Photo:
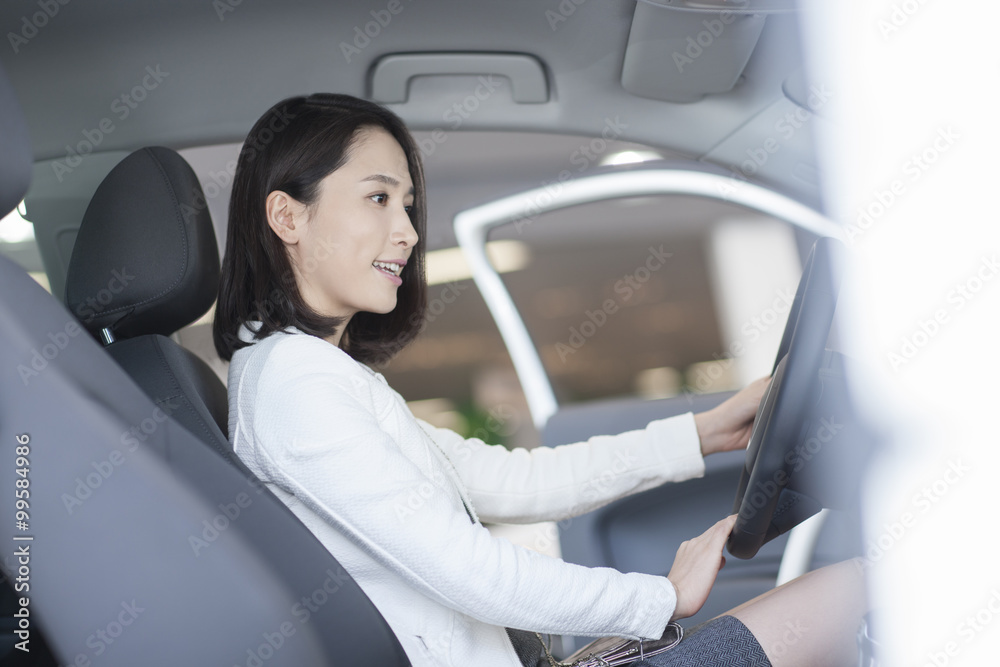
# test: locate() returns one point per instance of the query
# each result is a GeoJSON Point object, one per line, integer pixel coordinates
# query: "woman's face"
{"type": "Point", "coordinates": [348, 249]}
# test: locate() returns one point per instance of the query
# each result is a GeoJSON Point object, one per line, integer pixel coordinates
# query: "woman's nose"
{"type": "Point", "coordinates": [404, 232]}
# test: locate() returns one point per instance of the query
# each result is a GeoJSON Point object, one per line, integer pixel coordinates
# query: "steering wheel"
{"type": "Point", "coordinates": [765, 503]}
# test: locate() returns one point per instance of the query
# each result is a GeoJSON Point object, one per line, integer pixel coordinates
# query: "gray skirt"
{"type": "Point", "coordinates": [721, 641]}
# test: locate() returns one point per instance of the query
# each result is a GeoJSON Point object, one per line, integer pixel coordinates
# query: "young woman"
{"type": "Point", "coordinates": [323, 277]}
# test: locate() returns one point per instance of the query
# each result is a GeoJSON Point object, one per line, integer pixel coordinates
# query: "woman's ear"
{"type": "Point", "coordinates": [285, 216]}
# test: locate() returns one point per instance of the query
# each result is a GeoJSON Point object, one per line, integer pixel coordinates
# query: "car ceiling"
{"type": "Point", "coordinates": [228, 61]}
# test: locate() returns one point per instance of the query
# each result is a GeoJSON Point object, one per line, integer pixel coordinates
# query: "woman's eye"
{"type": "Point", "coordinates": [380, 198]}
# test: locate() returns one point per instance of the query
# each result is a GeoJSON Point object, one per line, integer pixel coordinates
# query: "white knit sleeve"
{"type": "Point", "coordinates": [553, 483]}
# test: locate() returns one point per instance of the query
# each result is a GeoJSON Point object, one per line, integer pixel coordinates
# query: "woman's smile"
{"type": "Point", "coordinates": [390, 269]}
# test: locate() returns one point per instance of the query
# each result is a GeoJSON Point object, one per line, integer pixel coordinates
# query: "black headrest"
{"type": "Point", "coordinates": [145, 259]}
{"type": "Point", "coordinates": [15, 150]}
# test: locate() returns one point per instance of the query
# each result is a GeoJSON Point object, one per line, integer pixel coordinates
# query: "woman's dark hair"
{"type": "Point", "coordinates": [294, 146]}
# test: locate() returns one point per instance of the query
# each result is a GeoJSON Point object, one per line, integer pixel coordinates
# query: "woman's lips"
{"type": "Point", "coordinates": [396, 280]}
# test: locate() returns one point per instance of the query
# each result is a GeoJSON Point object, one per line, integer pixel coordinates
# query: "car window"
{"type": "Point", "coordinates": [652, 296]}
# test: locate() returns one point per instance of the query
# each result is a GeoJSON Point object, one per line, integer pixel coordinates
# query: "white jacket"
{"type": "Point", "coordinates": [384, 491]}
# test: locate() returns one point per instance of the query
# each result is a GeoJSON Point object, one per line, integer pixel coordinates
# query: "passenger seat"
{"type": "Point", "coordinates": [145, 264]}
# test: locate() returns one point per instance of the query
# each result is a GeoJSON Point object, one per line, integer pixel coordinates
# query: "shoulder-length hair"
{"type": "Point", "coordinates": [294, 146]}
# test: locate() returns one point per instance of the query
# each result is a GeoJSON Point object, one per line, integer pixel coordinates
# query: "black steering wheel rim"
{"type": "Point", "coordinates": [782, 415]}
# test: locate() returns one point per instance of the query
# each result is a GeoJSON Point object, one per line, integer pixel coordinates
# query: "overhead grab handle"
{"type": "Point", "coordinates": [391, 75]}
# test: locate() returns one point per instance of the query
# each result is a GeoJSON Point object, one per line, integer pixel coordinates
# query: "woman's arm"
{"type": "Point", "coordinates": [553, 483]}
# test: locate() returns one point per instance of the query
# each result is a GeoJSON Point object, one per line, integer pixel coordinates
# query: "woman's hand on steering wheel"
{"type": "Point", "coordinates": [727, 426]}
{"type": "Point", "coordinates": [695, 567]}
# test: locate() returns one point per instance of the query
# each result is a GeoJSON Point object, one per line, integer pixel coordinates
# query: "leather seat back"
{"type": "Point", "coordinates": [144, 265]}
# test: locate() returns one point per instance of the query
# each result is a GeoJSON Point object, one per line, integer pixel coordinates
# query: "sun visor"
{"type": "Point", "coordinates": [682, 50]}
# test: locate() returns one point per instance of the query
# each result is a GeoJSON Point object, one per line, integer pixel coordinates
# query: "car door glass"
{"type": "Point", "coordinates": [635, 296]}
